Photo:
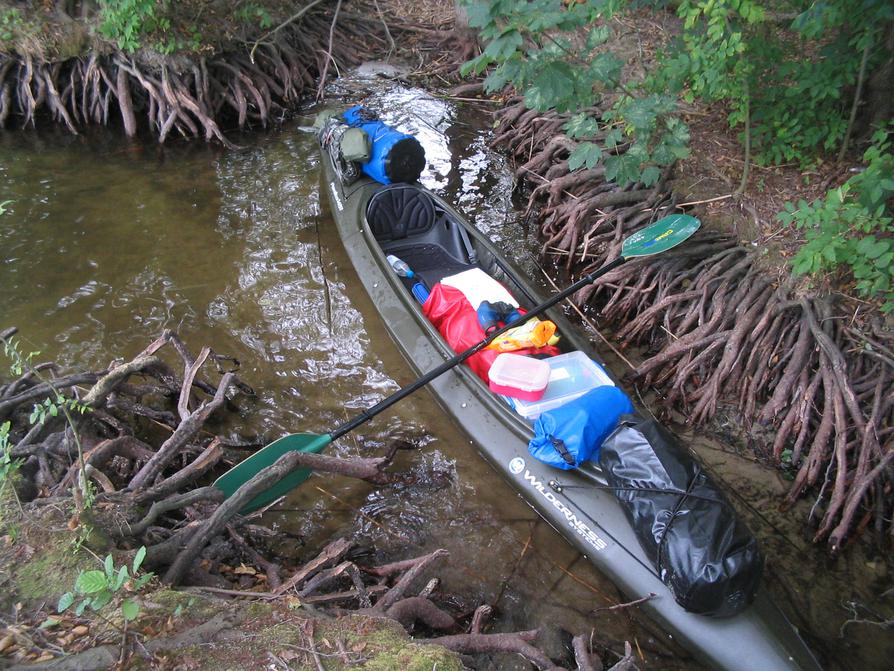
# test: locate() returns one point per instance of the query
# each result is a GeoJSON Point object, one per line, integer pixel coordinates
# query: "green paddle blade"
{"type": "Point", "coordinates": [245, 470]}
{"type": "Point", "coordinates": [660, 236]}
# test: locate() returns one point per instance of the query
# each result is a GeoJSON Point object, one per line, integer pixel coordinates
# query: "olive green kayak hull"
{"type": "Point", "coordinates": [573, 502]}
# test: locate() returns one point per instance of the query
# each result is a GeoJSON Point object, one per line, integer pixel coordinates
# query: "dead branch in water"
{"type": "Point", "coordinates": [195, 537]}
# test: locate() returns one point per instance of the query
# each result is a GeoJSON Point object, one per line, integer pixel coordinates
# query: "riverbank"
{"type": "Point", "coordinates": [103, 513]}
{"type": "Point", "coordinates": [192, 69]}
{"type": "Point", "coordinates": [724, 326]}
{"type": "Point", "coordinates": [43, 558]}
{"type": "Point", "coordinates": [219, 307]}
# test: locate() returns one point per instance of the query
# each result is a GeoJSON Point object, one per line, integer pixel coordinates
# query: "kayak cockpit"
{"type": "Point", "coordinates": [406, 222]}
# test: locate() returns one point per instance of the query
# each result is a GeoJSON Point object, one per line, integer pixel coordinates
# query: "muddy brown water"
{"type": "Point", "coordinates": [108, 242]}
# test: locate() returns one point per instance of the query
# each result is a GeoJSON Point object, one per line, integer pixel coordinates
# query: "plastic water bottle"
{"type": "Point", "coordinates": [399, 267]}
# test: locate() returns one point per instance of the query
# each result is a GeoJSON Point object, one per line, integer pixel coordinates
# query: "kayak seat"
{"type": "Point", "coordinates": [399, 211]}
{"type": "Point", "coordinates": [409, 224]}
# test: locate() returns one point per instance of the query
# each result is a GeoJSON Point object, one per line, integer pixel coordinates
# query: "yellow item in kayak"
{"type": "Point", "coordinates": [533, 333]}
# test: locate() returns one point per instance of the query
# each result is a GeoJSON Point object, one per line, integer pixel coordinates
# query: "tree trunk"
{"type": "Point", "coordinates": [880, 86]}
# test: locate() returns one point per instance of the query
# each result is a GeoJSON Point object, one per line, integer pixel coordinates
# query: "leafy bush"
{"type": "Point", "coordinates": [253, 13]}
{"type": "Point", "coordinates": [52, 407]}
{"type": "Point", "coordinates": [129, 21]}
{"type": "Point", "coordinates": [98, 588]}
{"type": "Point", "coordinates": [529, 46]}
{"type": "Point", "coordinates": [852, 227]}
{"type": "Point", "coordinates": [787, 84]}
{"type": "Point", "coordinates": [8, 465]}
{"type": "Point", "coordinates": [10, 21]}
{"type": "Point", "coordinates": [49, 407]}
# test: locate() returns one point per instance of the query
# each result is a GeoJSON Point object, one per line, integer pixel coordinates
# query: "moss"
{"type": "Point", "coordinates": [52, 568]}
{"type": "Point", "coordinates": [183, 606]}
{"type": "Point", "coordinates": [387, 647]}
{"type": "Point", "coordinates": [375, 644]}
{"type": "Point", "coordinates": [38, 560]}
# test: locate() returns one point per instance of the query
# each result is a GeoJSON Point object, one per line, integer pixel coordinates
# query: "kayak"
{"type": "Point", "coordinates": [375, 221]}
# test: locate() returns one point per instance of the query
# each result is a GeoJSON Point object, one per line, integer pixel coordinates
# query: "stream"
{"type": "Point", "coordinates": [107, 242]}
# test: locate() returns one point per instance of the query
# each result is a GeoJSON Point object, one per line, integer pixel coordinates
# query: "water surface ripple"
{"type": "Point", "coordinates": [108, 242]}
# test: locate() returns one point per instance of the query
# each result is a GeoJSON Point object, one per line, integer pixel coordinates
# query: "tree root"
{"type": "Point", "coordinates": [717, 328]}
{"type": "Point", "coordinates": [192, 535]}
{"type": "Point", "coordinates": [194, 96]}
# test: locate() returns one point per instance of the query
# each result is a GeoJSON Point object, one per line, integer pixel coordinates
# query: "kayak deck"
{"type": "Point", "coordinates": [436, 241]}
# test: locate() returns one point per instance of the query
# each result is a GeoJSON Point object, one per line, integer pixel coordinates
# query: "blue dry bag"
{"type": "Point", "coordinates": [571, 434]}
{"type": "Point", "coordinates": [396, 156]}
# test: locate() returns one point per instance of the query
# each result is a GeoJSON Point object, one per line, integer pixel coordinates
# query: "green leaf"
{"type": "Point", "coordinates": [622, 169]}
{"type": "Point", "coordinates": [597, 36]}
{"type": "Point", "coordinates": [641, 114]}
{"type": "Point", "coordinates": [872, 248]}
{"type": "Point", "coordinates": [613, 138]}
{"type": "Point", "coordinates": [581, 125]}
{"type": "Point", "coordinates": [120, 579]}
{"type": "Point", "coordinates": [142, 580]}
{"type": "Point", "coordinates": [551, 88]}
{"type": "Point", "coordinates": [138, 559]}
{"type": "Point", "coordinates": [504, 46]}
{"type": "Point", "coordinates": [606, 68]}
{"type": "Point", "coordinates": [476, 65]}
{"type": "Point", "coordinates": [90, 582]}
{"type": "Point", "coordinates": [650, 175]}
{"type": "Point", "coordinates": [479, 14]}
{"type": "Point", "coordinates": [65, 602]}
{"type": "Point", "coordinates": [101, 600]}
{"type": "Point", "coordinates": [829, 254]}
{"type": "Point", "coordinates": [79, 610]}
{"type": "Point", "coordinates": [802, 264]}
{"type": "Point", "coordinates": [586, 153]}
{"type": "Point", "coordinates": [506, 72]}
{"type": "Point", "coordinates": [130, 609]}
{"type": "Point", "coordinates": [109, 566]}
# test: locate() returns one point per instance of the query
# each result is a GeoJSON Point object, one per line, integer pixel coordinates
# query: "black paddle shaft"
{"type": "Point", "coordinates": [403, 392]}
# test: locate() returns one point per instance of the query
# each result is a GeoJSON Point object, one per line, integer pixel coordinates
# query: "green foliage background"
{"type": "Point", "coordinates": [787, 72]}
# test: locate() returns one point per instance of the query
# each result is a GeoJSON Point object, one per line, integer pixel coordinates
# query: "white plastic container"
{"type": "Point", "coordinates": [518, 376]}
{"type": "Point", "coordinates": [571, 376]}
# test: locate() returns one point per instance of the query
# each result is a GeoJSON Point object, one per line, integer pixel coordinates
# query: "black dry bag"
{"type": "Point", "coordinates": [703, 552]}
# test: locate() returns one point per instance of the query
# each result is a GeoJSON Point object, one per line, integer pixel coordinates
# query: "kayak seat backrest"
{"type": "Point", "coordinates": [399, 211]}
{"type": "Point", "coordinates": [406, 222]}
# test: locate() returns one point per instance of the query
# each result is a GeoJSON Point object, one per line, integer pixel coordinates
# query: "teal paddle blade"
{"type": "Point", "coordinates": [659, 237]}
{"type": "Point", "coordinates": [245, 470]}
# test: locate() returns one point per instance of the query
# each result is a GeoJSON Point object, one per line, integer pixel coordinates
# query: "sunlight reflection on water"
{"type": "Point", "coordinates": [107, 243]}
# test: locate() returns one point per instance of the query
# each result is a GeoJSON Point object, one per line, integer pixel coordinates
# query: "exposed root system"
{"type": "Point", "coordinates": [132, 490]}
{"type": "Point", "coordinates": [719, 327]}
{"type": "Point", "coordinates": [197, 96]}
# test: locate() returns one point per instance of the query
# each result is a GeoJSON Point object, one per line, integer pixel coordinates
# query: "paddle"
{"type": "Point", "coordinates": [654, 239]}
